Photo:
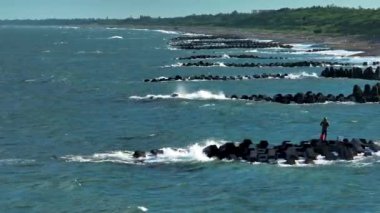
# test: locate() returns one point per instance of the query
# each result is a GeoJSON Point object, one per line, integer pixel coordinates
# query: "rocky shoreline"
{"type": "Point", "coordinates": [201, 42]}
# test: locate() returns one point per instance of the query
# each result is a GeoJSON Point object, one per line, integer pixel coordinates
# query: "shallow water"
{"type": "Point", "coordinates": [68, 126]}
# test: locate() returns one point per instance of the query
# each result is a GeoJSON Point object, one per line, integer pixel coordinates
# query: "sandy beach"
{"type": "Point", "coordinates": [349, 42]}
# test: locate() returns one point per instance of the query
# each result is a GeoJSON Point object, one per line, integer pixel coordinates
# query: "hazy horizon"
{"type": "Point", "coordinates": [43, 9]}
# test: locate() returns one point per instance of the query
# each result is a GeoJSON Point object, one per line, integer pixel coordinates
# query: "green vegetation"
{"type": "Point", "coordinates": [325, 20]}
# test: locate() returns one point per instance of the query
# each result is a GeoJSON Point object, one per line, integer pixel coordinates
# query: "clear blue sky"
{"type": "Point", "coordinates": [37, 9]}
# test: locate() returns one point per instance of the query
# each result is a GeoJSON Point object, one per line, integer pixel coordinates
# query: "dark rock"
{"type": "Point", "coordinates": [226, 150]}
{"type": "Point", "coordinates": [263, 144]}
{"type": "Point", "coordinates": [139, 154]}
{"type": "Point", "coordinates": [244, 149]}
{"type": "Point", "coordinates": [234, 97]}
{"type": "Point", "coordinates": [211, 151]}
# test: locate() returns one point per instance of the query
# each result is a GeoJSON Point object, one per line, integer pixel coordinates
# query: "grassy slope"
{"type": "Point", "coordinates": [327, 20]}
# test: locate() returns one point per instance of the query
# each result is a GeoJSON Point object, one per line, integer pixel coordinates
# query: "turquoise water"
{"type": "Point", "coordinates": [73, 107]}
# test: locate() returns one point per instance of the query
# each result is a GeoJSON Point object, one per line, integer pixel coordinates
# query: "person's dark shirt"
{"type": "Point", "coordinates": [324, 125]}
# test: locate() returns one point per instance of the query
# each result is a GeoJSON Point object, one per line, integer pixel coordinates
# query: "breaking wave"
{"type": "Point", "coordinates": [198, 95]}
{"type": "Point", "coordinates": [116, 37]}
{"type": "Point", "coordinates": [192, 153]}
{"type": "Point", "coordinates": [82, 52]}
{"type": "Point", "coordinates": [167, 32]}
{"type": "Point", "coordinates": [336, 53]}
{"type": "Point", "coordinates": [301, 75]}
{"type": "Point", "coordinates": [179, 64]}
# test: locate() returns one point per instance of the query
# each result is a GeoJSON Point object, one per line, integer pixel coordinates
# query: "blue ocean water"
{"type": "Point", "coordinates": [74, 105]}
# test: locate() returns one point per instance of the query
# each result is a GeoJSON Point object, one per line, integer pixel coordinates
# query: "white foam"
{"type": "Point", "coordinates": [116, 37]}
{"type": "Point", "coordinates": [89, 52]}
{"type": "Point", "coordinates": [221, 64]}
{"type": "Point", "coordinates": [68, 27]}
{"type": "Point", "coordinates": [60, 42]}
{"type": "Point", "coordinates": [139, 29]}
{"type": "Point", "coordinates": [115, 28]}
{"type": "Point", "coordinates": [301, 47]}
{"type": "Point", "coordinates": [252, 51]}
{"type": "Point", "coordinates": [301, 75]}
{"type": "Point", "coordinates": [198, 95]}
{"type": "Point", "coordinates": [179, 64]}
{"type": "Point", "coordinates": [339, 52]}
{"type": "Point", "coordinates": [194, 34]}
{"type": "Point", "coordinates": [336, 53]}
{"type": "Point", "coordinates": [167, 32]}
{"type": "Point", "coordinates": [225, 56]}
{"type": "Point", "coordinates": [207, 105]}
{"type": "Point", "coordinates": [192, 153]}
{"type": "Point", "coordinates": [172, 48]}
{"type": "Point", "coordinates": [142, 208]}
{"type": "Point", "coordinates": [263, 40]}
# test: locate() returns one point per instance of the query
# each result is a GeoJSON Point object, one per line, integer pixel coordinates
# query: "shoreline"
{"type": "Point", "coordinates": [351, 43]}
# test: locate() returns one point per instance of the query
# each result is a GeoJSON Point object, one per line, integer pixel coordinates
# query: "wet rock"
{"type": "Point", "coordinates": [139, 154]}
{"type": "Point", "coordinates": [211, 151]}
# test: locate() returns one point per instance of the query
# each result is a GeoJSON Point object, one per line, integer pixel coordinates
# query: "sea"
{"type": "Point", "coordinates": [74, 106]}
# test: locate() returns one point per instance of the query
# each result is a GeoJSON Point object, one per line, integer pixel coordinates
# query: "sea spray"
{"type": "Point", "coordinates": [191, 153]}
{"type": "Point", "coordinates": [181, 93]}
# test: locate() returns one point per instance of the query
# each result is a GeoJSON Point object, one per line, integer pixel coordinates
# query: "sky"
{"type": "Point", "coordinates": [40, 9]}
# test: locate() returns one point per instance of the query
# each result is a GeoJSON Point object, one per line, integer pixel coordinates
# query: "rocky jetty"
{"type": "Point", "coordinates": [370, 94]}
{"type": "Point", "coordinates": [306, 150]}
{"type": "Point", "coordinates": [368, 73]}
{"type": "Point", "coordinates": [276, 64]}
{"type": "Point", "coordinates": [263, 152]}
{"type": "Point", "coordinates": [196, 57]}
{"type": "Point", "coordinates": [217, 77]}
{"type": "Point", "coordinates": [221, 42]}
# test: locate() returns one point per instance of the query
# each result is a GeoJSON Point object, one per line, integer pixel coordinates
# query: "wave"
{"type": "Point", "coordinates": [116, 37]}
{"type": "Point", "coordinates": [221, 64]}
{"type": "Point", "coordinates": [301, 75]}
{"type": "Point", "coordinates": [89, 52]}
{"type": "Point", "coordinates": [16, 162]}
{"type": "Point", "coordinates": [68, 27]}
{"type": "Point", "coordinates": [199, 95]}
{"type": "Point", "coordinates": [341, 53]}
{"type": "Point", "coordinates": [192, 153]}
{"type": "Point", "coordinates": [225, 56]}
{"type": "Point", "coordinates": [304, 49]}
{"type": "Point", "coordinates": [300, 47]}
{"type": "Point", "coordinates": [171, 32]}
{"type": "Point", "coordinates": [167, 32]}
{"type": "Point", "coordinates": [143, 208]}
{"type": "Point", "coordinates": [263, 40]}
{"type": "Point", "coordinates": [60, 42]}
{"type": "Point", "coordinates": [179, 64]}
{"type": "Point", "coordinates": [194, 34]}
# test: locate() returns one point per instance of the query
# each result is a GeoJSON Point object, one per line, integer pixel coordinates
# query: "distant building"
{"type": "Point", "coordinates": [260, 11]}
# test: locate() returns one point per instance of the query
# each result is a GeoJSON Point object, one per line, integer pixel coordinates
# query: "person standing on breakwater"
{"type": "Point", "coordinates": [325, 124]}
